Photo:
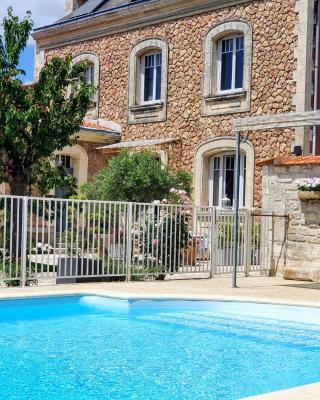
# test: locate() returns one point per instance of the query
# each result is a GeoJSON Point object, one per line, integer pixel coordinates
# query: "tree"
{"type": "Point", "coordinates": [39, 119]}
{"type": "Point", "coordinates": [135, 177]}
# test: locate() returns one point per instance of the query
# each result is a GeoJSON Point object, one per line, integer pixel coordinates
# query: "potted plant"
{"type": "Point", "coordinates": [224, 254]}
{"type": "Point", "coordinates": [190, 253]}
{"type": "Point", "coordinates": [309, 189]}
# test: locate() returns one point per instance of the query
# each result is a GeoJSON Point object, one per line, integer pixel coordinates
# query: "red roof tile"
{"type": "Point", "coordinates": [94, 125]}
{"type": "Point", "coordinates": [293, 160]}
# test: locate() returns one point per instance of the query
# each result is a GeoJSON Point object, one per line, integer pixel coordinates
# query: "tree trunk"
{"type": "Point", "coordinates": [18, 187]}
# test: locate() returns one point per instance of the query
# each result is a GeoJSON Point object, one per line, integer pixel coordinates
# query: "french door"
{"type": "Point", "coordinates": [222, 180]}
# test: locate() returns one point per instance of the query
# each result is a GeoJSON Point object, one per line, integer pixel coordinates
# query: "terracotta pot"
{"type": "Point", "coordinates": [190, 255]}
{"type": "Point", "coordinates": [309, 196]}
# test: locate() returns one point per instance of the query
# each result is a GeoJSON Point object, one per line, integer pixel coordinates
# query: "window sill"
{"type": "Point", "coordinates": [226, 103]}
{"type": "Point", "coordinates": [221, 97]}
{"type": "Point", "coordinates": [147, 107]}
{"type": "Point", "coordinates": [147, 113]}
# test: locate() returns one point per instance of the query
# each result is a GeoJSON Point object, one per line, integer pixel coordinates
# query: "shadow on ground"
{"type": "Point", "coordinates": [304, 285]}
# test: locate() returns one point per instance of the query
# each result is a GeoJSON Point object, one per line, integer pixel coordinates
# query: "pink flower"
{"type": "Point", "coordinates": [187, 213]}
{"type": "Point", "coordinates": [155, 243]}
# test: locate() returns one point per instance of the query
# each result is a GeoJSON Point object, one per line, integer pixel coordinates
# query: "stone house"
{"type": "Point", "coordinates": [172, 75]}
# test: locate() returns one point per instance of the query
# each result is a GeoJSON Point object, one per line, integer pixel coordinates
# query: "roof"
{"type": "Point", "coordinates": [101, 126]}
{"type": "Point", "coordinates": [135, 143]}
{"type": "Point", "coordinates": [91, 7]}
{"type": "Point", "coordinates": [293, 160]}
{"type": "Point", "coordinates": [97, 18]}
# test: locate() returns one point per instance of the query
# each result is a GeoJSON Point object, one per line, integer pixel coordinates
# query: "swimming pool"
{"type": "Point", "coordinates": [91, 347]}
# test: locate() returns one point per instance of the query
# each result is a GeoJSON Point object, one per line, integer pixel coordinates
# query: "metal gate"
{"type": "Point", "coordinates": [49, 240]}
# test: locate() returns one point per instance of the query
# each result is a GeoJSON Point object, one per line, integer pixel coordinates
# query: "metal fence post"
{"type": "Point", "coordinates": [129, 241]}
{"type": "Point", "coordinates": [248, 241]}
{"type": "Point", "coordinates": [24, 230]}
{"type": "Point", "coordinates": [213, 252]}
{"type": "Point", "coordinates": [235, 235]}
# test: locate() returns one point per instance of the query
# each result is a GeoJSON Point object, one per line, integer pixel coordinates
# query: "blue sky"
{"type": "Point", "coordinates": [43, 12]}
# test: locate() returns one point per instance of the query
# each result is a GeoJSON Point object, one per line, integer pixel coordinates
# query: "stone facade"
{"type": "Point", "coordinates": [272, 80]}
{"type": "Point", "coordinates": [96, 160]}
{"type": "Point", "coordinates": [298, 257]}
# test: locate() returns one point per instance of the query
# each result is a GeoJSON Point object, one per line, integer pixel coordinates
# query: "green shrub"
{"type": "Point", "coordinates": [183, 181]}
{"type": "Point", "coordinates": [135, 177]}
{"type": "Point", "coordinates": [10, 272]}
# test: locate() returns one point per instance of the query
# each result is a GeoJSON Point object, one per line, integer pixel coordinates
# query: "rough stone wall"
{"type": "Point", "coordinates": [280, 195]}
{"type": "Point", "coordinates": [96, 160]}
{"type": "Point", "coordinates": [274, 40]}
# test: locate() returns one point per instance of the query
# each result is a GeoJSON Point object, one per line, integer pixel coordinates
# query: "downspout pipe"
{"type": "Point", "coordinates": [316, 80]}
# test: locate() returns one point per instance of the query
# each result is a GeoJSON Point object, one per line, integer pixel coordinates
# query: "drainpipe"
{"type": "Point", "coordinates": [316, 80]}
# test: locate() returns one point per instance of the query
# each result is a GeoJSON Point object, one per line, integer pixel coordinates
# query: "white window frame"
{"type": "Point", "coordinates": [60, 158]}
{"type": "Point", "coordinates": [142, 78]}
{"type": "Point", "coordinates": [222, 178]}
{"type": "Point", "coordinates": [219, 64]}
{"type": "Point", "coordinates": [90, 74]}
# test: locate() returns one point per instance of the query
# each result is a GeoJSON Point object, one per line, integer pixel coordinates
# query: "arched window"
{"type": "Point", "coordinates": [222, 179]}
{"type": "Point", "coordinates": [148, 70]}
{"type": "Point", "coordinates": [227, 68]}
{"type": "Point", "coordinates": [214, 172]}
{"type": "Point", "coordinates": [150, 74]}
{"type": "Point", "coordinates": [92, 78]}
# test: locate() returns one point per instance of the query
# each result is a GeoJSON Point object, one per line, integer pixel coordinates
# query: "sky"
{"type": "Point", "coordinates": [43, 12]}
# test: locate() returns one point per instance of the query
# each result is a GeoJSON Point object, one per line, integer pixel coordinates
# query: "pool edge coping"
{"type": "Point", "coordinates": [306, 392]}
{"type": "Point", "coordinates": [164, 297]}
{"type": "Point", "coordinates": [310, 390]}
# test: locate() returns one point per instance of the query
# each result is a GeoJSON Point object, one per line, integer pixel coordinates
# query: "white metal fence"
{"type": "Point", "coordinates": [60, 241]}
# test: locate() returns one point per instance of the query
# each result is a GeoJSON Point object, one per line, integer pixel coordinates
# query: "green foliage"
{"type": "Point", "coordinates": [256, 235]}
{"type": "Point", "coordinates": [36, 120]}
{"type": "Point", "coordinates": [225, 234]}
{"type": "Point", "coordinates": [183, 181]}
{"type": "Point", "coordinates": [10, 271]}
{"type": "Point", "coordinates": [45, 175]}
{"type": "Point", "coordinates": [135, 177]}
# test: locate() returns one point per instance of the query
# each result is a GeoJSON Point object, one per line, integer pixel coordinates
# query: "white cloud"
{"type": "Point", "coordinates": [44, 12]}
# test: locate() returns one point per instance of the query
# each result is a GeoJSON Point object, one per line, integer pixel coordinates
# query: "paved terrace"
{"type": "Point", "coordinates": [261, 289]}
{"type": "Point", "coordinates": [266, 289]}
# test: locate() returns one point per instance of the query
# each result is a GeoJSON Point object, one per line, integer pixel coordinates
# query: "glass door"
{"type": "Point", "coordinates": [222, 180]}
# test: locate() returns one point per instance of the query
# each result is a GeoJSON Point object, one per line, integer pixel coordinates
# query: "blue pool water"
{"type": "Point", "coordinates": [92, 347]}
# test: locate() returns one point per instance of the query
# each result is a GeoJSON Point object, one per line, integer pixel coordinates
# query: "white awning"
{"type": "Point", "coordinates": [113, 148]}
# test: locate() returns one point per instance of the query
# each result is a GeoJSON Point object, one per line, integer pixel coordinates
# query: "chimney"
{"type": "Point", "coordinates": [72, 5]}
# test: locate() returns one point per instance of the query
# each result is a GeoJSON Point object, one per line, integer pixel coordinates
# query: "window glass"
{"type": "Point", "coordinates": [148, 78]}
{"type": "Point", "coordinates": [158, 75]}
{"type": "Point", "coordinates": [90, 75]}
{"type": "Point", "coordinates": [64, 161]}
{"type": "Point", "coordinates": [216, 182]}
{"type": "Point", "coordinates": [228, 181]}
{"type": "Point", "coordinates": [151, 77]}
{"type": "Point", "coordinates": [226, 64]}
{"type": "Point", "coordinates": [239, 62]}
{"type": "Point", "coordinates": [223, 179]}
{"type": "Point", "coordinates": [231, 61]}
